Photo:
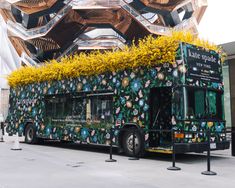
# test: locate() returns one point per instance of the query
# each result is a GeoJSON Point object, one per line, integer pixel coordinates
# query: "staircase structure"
{"type": "Point", "coordinates": [50, 29]}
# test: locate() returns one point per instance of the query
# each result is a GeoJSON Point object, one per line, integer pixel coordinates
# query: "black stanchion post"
{"type": "Point", "coordinates": [173, 167]}
{"type": "Point", "coordinates": [111, 148]}
{"type": "Point", "coordinates": [208, 172]}
{"type": "Point", "coordinates": [134, 157]}
{"type": "Point", "coordinates": [2, 127]}
{"type": "Point", "coordinates": [1, 132]}
{"type": "Point", "coordinates": [233, 140]}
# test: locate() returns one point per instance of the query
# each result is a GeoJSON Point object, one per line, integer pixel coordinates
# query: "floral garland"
{"type": "Point", "coordinates": [149, 52]}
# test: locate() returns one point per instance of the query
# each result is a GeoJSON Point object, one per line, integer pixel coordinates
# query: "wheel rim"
{"type": "Point", "coordinates": [30, 134]}
{"type": "Point", "coordinates": [129, 143]}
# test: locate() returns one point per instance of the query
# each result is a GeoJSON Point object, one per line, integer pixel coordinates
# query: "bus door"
{"type": "Point", "coordinates": [160, 115]}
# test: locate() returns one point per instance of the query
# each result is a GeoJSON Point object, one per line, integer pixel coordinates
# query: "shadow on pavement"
{"type": "Point", "coordinates": [189, 158]}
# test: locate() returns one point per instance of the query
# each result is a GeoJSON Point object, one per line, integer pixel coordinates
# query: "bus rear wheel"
{"type": "Point", "coordinates": [128, 143]}
{"type": "Point", "coordinates": [30, 134]}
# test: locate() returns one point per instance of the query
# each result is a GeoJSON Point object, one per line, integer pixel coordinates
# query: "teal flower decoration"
{"type": "Point", "coordinates": [153, 72]}
{"type": "Point", "coordinates": [123, 100]}
{"type": "Point", "coordinates": [141, 102]}
{"type": "Point", "coordinates": [219, 127]}
{"type": "Point", "coordinates": [135, 112]}
{"type": "Point", "coordinates": [116, 132]}
{"type": "Point", "coordinates": [51, 91]}
{"type": "Point", "coordinates": [94, 139]}
{"type": "Point", "coordinates": [34, 112]}
{"type": "Point", "coordinates": [84, 133]}
{"type": "Point", "coordinates": [37, 125]}
{"type": "Point", "coordinates": [136, 85]}
{"type": "Point", "coordinates": [21, 129]}
{"type": "Point", "coordinates": [99, 79]}
{"type": "Point", "coordinates": [22, 95]}
{"type": "Point", "coordinates": [118, 83]}
{"type": "Point", "coordinates": [203, 124]}
{"type": "Point", "coordinates": [73, 88]}
{"type": "Point", "coordinates": [146, 107]}
{"type": "Point", "coordinates": [175, 73]}
{"type": "Point", "coordinates": [87, 87]}
{"type": "Point", "coordinates": [215, 85]}
{"type": "Point", "coordinates": [48, 131]}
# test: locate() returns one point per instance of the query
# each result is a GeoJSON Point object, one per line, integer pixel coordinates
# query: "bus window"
{"type": "Point", "coordinates": [214, 105]}
{"type": "Point", "coordinates": [102, 109]}
{"type": "Point", "coordinates": [205, 104]}
{"type": "Point", "coordinates": [211, 102]}
{"type": "Point", "coordinates": [49, 108]}
{"type": "Point", "coordinates": [68, 107]}
{"type": "Point", "coordinates": [199, 103]}
{"type": "Point", "coordinates": [60, 108]}
{"type": "Point", "coordinates": [55, 107]}
{"type": "Point", "coordinates": [79, 109]}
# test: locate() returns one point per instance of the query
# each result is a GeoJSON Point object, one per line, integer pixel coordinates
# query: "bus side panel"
{"type": "Point", "coordinates": [131, 101]}
{"type": "Point", "coordinates": [26, 105]}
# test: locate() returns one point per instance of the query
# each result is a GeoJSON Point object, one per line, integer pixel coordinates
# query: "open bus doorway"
{"type": "Point", "coordinates": [160, 115]}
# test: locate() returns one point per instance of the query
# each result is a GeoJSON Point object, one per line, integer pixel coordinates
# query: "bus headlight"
{"type": "Point", "coordinates": [188, 136]}
{"type": "Point", "coordinates": [222, 135]}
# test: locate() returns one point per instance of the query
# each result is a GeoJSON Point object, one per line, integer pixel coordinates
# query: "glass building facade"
{"type": "Point", "coordinates": [227, 104]}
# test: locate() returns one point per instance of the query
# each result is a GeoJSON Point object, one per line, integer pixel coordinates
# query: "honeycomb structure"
{"type": "Point", "coordinates": [42, 30]}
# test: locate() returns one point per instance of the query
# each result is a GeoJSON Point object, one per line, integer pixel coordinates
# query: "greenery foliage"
{"type": "Point", "coordinates": [149, 52]}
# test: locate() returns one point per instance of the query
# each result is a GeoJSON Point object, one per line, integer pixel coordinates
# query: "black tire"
{"type": "Point", "coordinates": [127, 143]}
{"type": "Point", "coordinates": [30, 134]}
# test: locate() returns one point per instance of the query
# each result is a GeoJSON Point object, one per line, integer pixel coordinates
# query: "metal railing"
{"type": "Point", "coordinates": [26, 34]}
{"type": "Point", "coordinates": [105, 43]}
{"type": "Point", "coordinates": [97, 43]}
{"type": "Point", "coordinates": [189, 25]}
{"type": "Point", "coordinates": [81, 44]}
{"type": "Point", "coordinates": [28, 60]}
{"type": "Point", "coordinates": [87, 4]}
{"type": "Point", "coordinates": [153, 28]}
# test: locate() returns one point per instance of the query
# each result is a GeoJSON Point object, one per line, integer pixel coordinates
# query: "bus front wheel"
{"type": "Point", "coordinates": [128, 143]}
{"type": "Point", "coordinates": [30, 134]}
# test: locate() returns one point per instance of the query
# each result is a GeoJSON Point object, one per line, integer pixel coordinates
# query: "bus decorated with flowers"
{"type": "Point", "coordinates": [161, 84]}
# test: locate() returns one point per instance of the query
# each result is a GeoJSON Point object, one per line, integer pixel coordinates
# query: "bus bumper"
{"type": "Point", "coordinates": [200, 147]}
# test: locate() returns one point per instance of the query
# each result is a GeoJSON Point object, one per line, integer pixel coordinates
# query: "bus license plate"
{"type": "Point", "coordinates": [213, 145]}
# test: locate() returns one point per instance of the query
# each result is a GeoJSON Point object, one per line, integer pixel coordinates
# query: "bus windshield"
{"type": "Point", "coordinates": [203, 104]}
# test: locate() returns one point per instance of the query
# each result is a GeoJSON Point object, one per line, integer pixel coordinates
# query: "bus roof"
{"type": "Point", "coordinates": [148, 53]}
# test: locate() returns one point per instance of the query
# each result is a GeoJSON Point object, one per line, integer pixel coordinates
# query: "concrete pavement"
{"type": "Point", "coordinates": [67, 165]}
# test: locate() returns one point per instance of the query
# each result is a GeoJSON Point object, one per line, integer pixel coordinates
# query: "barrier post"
{"type": "Point", "coordinates": [209, 172]}
{"type": "Point", "coordinates": [134, 157]}
{"type": "Point", "coordinates": [2, 127]}
{"type": "Point", "coordinates": [1, 132]}
{"type": "Point", "coordinates": [173, 167]}
{"type": "Point", "coordinates": [233, 140]}
{"type": "Point", "coordinates": [111, 148]}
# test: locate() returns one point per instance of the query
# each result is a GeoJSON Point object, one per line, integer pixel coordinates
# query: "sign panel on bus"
{"type": "Point", "coordinates": [204, 65]}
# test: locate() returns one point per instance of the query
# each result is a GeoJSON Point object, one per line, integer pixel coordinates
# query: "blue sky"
{"type": "Point", "coordinates": [218, 22]}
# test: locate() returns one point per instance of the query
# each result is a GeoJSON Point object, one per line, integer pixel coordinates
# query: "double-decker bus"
{"type": "Point", "coordinates": [186, 96]}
